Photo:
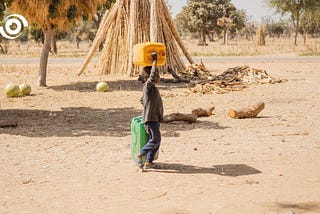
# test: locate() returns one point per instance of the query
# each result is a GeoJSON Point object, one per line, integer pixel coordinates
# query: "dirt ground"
{"type": "Point", "coordinates": [71, 150]}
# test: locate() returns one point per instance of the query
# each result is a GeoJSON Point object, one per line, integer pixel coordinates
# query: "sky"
{"type": "Point", "coordinates": [255, 9]}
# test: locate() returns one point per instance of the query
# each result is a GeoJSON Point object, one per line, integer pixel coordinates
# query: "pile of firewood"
{"type": "Point", "coordinates": [196, 71]}
{"type": "Point", "coordinates": [233, 79]}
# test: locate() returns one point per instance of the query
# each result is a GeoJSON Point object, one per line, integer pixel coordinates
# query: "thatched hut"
{"type": "Point", "coordinates": [130, 22]}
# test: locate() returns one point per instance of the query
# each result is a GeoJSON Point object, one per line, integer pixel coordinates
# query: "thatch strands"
{"type": "Point", "coordinates": [261, 35]}
{"type": "Point", "coordinates": [130, 22]}
{"type": "Point", "coordinates": [61, 13]}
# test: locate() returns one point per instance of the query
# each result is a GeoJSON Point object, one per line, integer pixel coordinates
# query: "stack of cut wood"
{"type": "Point", "coordinates": [233, 79]}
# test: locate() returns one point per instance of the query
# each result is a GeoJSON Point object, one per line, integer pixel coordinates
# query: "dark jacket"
{"type": "Point", "coordinates": [151, 100]}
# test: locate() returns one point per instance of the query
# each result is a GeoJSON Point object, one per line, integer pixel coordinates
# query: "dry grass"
{"type": "Point", "coordinates": [249, 48]}
{"type": "Point", "coordinates": [282, 46]}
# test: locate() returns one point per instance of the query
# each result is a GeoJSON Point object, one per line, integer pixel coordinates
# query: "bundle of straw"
{"type": "Point", "coordinates": [130, 22]}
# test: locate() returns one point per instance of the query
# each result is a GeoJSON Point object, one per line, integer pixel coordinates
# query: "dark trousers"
{"type": "Point", "coordinates": [153, 144]}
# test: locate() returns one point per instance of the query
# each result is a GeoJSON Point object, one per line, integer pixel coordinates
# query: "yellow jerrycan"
{"type": "Point", "coordinates": [142, 53]}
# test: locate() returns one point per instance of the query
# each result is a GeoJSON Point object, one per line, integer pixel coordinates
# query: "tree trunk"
{"type": "Point", "coordinates": [204, 38]}
{"type": "Point", "coordinates": [296, 24]}
{"type": "Point", "coordinates": [42, 76]}
{"type": "Point", "coordinates": [54, 48]}
{"type": "Point", "coordinates": [78, 40]}
{"type": "Point", "coordinates": [225, 36]}
{"type": "Point", "coordinates": [200, 38]}
{"type": "Point", "coordinates": [305, 36]}
{"type": "Point", "coordinates": [296, 38]}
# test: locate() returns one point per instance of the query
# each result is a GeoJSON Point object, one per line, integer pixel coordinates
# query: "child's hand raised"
{"type": "Point", "coordinates": [154, 56]}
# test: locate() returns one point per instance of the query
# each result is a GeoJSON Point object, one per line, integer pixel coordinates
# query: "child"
{"type": "Point", "coordinates": [152, 113]}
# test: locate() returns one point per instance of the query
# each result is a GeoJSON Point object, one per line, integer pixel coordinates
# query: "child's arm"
{"type": "Point", "coordinates": [154, 71]}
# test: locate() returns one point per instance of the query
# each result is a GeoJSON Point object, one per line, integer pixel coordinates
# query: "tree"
{"type": "Point", "coordinates": [277, 28]}
{"type": "Point", "coordinates": [310, 23]}
{"type": "Point", "coordinates": [296, 9]}
{"type": "Point", "coordinates": [231, 18]}
{"type": "Point", "coordinates": [4, 4]}
{"type": "Point", "coordinates": [52, 16]}
{"type": "Point", "coordinates": [201, 17]}
{"type": "Point", "coordinates": [249, 30]}
{"type": "Point", "coordinates": [181, 21]}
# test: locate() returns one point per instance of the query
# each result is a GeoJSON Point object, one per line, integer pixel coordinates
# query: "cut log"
{"type": "Point", "coordinates": [249, 112]}
{"type": "Point", "coordinates": [199, 112]}
{"type": "Point", "coordinates": [189, 118]}
{"type": "Point", "coordinates": [6, 124]}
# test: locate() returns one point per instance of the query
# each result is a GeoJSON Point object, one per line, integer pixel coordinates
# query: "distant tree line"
{"type": "Point", "coordinates": [208, 18]}
{"type": "Point", "coordinates": [304, 14]}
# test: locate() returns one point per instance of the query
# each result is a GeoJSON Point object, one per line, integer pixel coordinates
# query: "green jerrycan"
{"type": "Point", "coordinates": [139, 137]}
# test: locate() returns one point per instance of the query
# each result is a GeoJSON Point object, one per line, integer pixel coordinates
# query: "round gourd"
{"type": "Point", "coordinates": [102, 87]}
{"type": "Point", "coordinates": [25, 89]}
{"type": "Point", "coordinates": [12, 90]}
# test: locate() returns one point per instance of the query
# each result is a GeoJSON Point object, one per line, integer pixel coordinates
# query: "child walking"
{"type": "Point", "coordinates": [152, 113]}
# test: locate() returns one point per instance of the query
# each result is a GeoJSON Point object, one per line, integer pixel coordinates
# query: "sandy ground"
{"type": "Point", "coordinates": [71, 150]}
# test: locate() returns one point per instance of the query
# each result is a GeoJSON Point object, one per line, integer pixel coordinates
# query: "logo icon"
{"type": "Point", "coordinates": [13, 26]}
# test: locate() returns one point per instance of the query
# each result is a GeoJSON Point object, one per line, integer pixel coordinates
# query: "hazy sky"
{"type": "Point", "coordinates": [254, 8]}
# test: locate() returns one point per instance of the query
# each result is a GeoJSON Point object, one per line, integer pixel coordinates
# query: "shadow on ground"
{"type": "Point", "coordinates": [231, 170]}
{"type": "Point", "coordinates": [119, 85]}
{"type": "Point", "coordinates": [299, 207]}
{"type": "Point", "coordinates": [125, 85]}
{"type": "Point", "coordinates": [84, 121]}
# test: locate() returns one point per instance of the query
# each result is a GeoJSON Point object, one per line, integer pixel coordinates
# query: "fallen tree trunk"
{"type": "Point", "coordinates": [249, 112]}
{"type": "Point", "coordinates": [189, 118]}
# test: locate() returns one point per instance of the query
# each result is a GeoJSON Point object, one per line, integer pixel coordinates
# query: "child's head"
{"type": "Point", "coordinates": [146, 74]}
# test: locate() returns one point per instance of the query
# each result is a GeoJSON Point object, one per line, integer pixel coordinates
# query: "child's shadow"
{"type": "Point", "coordinates": [231, 170]}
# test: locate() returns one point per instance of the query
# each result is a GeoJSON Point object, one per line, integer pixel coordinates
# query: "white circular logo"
{"type": "Point", "coordinates": [10, 32]}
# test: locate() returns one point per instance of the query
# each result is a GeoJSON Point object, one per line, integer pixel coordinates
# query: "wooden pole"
{"type": "Point", "coordinates": [132, 36]}
{"type": "Point", "coordinates": [154, 21]}
{"type": "Point", "coordinates": [105, 24]}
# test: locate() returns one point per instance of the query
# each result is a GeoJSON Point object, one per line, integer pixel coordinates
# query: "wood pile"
{"type": "Point", "coordinates": [233, 79]}
{"type": "Point", "coordinates": [196, 71]}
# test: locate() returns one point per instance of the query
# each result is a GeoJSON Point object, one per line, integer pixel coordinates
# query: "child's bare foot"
{"type": "Point", "coordinates": [138, 161]}
{"type": "Point", "coordinates": [148, 165]}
